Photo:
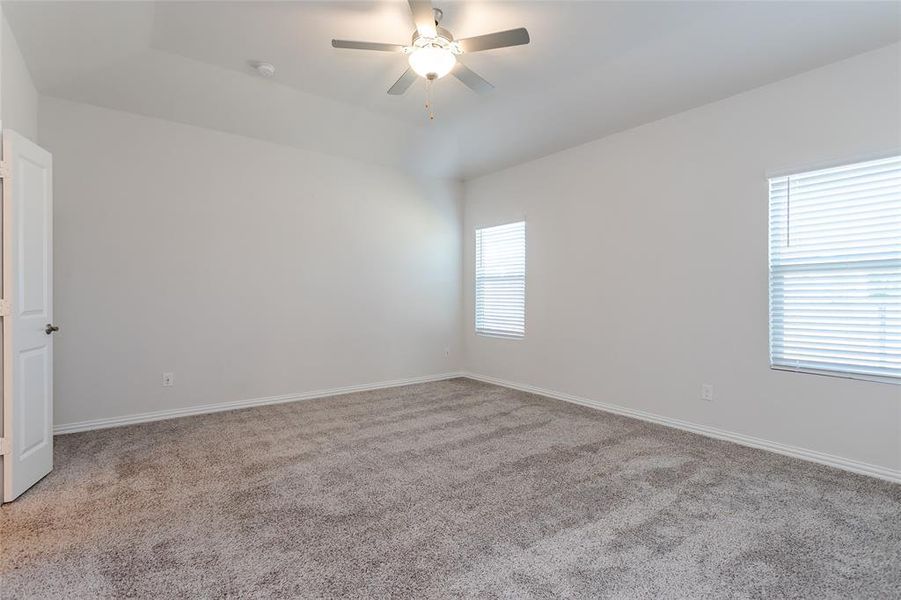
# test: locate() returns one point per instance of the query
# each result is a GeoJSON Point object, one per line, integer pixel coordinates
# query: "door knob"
{"type": "Point", "coordinates": [50, 329]}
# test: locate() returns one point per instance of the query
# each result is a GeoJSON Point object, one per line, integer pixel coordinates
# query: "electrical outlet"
{"type": "Point", "coordinates": [707, 392]}
{"type": "Point", "coordinates": [168, 379]}
{"type": "Point", "coordinates": [446, 352]}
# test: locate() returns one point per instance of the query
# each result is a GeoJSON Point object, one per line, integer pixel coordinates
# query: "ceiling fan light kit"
{"type": "Point", "coordinates": [433, 52]}
{"type": "Point", "coordinates": [432, 62]}
{"type": "Point", "coordinates": [433, 57]}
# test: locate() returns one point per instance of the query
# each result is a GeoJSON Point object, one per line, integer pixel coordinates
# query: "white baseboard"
{"type": "Point", "coordinates": [720, 434]}
{"type": "Point", "coordinates": [201, 409]}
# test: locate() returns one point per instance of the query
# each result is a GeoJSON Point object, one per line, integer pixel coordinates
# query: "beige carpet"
{"type": "Point", "coordinates": [449, 489]}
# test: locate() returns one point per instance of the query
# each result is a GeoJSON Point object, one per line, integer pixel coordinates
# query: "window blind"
{"type": "Point", "coordinates": [835, 270]}
{"type": "Point", "coordinates": [501, 280]}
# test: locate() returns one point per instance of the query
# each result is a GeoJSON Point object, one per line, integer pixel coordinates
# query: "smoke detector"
{"type": "Point", "coordinates": [263, 69]}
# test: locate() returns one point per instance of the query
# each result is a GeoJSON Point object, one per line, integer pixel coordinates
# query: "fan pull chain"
{"type": "Point", "coordinates": [428, 99]}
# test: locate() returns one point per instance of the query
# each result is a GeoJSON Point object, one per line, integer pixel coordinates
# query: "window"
{"type": "Point", "coordinates": [835, 271]}
{"type": "Point", "coordinates": [501, 280]}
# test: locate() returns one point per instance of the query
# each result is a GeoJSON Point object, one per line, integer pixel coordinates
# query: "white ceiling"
{"type": "Point", "coordinates": [592, 68]}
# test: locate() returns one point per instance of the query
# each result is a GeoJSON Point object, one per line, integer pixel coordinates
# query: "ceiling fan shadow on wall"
{"type": "Point", "coordinates": [433, 52]}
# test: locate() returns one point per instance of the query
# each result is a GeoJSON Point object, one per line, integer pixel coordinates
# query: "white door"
{"type": "Point", "coordinates": [28, 314]}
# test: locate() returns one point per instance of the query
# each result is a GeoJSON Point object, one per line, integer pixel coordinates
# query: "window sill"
{"type": "Point", "coordinates": [840, 375]}
{"type": "Point", "coordinates": [502, 336]}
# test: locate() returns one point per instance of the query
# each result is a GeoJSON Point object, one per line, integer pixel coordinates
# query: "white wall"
{"type": "Point", "coordinates": [18, 96]}
{"type": "Point", "coordinates": [647, 262]}
{"type": "Point", "coordinates": [247, 268]}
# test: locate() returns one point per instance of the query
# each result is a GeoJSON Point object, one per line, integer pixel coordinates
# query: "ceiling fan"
{"type": "Point", "coordinates": [433, 51]}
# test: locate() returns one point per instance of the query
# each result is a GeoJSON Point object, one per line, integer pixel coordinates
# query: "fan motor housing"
{"type": "Point", "coordinates": [442, 33]}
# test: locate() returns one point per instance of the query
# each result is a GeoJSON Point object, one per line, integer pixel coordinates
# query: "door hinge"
{"type": "Point", "coordinates": [4, 446]}
{"type": "Point", "coordinates": [4, 308]}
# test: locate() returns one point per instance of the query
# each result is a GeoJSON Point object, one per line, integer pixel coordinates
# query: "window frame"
{"type": "Point", "coordinates": [872, 378]}
{"type": "Point", "coordinates": [497, 334]}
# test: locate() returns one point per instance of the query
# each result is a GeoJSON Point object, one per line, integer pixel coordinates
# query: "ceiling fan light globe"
{"type": "Point", "coordinates": [432, 62]}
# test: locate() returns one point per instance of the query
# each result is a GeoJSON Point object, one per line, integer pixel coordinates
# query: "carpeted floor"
{"type": "Point", "coordinates": [448, 489]}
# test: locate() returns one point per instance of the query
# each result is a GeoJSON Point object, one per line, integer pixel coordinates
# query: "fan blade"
{"type": "Point", "coordinates": [471, 79]}
{"type": "Point", "coordinates": [367, 46]}
{"type": "Point", "coordinates": [424, 17]}
{"type": "Point", "coordinates": [501, 39]}
{"type": "Point", "coordinates": [402, 84]}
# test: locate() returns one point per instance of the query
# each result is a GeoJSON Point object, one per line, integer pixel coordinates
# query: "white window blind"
{"type": "Point", "coordinates": [835, 271]}
{"type": "Point", "coordinates": [501, 280]}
